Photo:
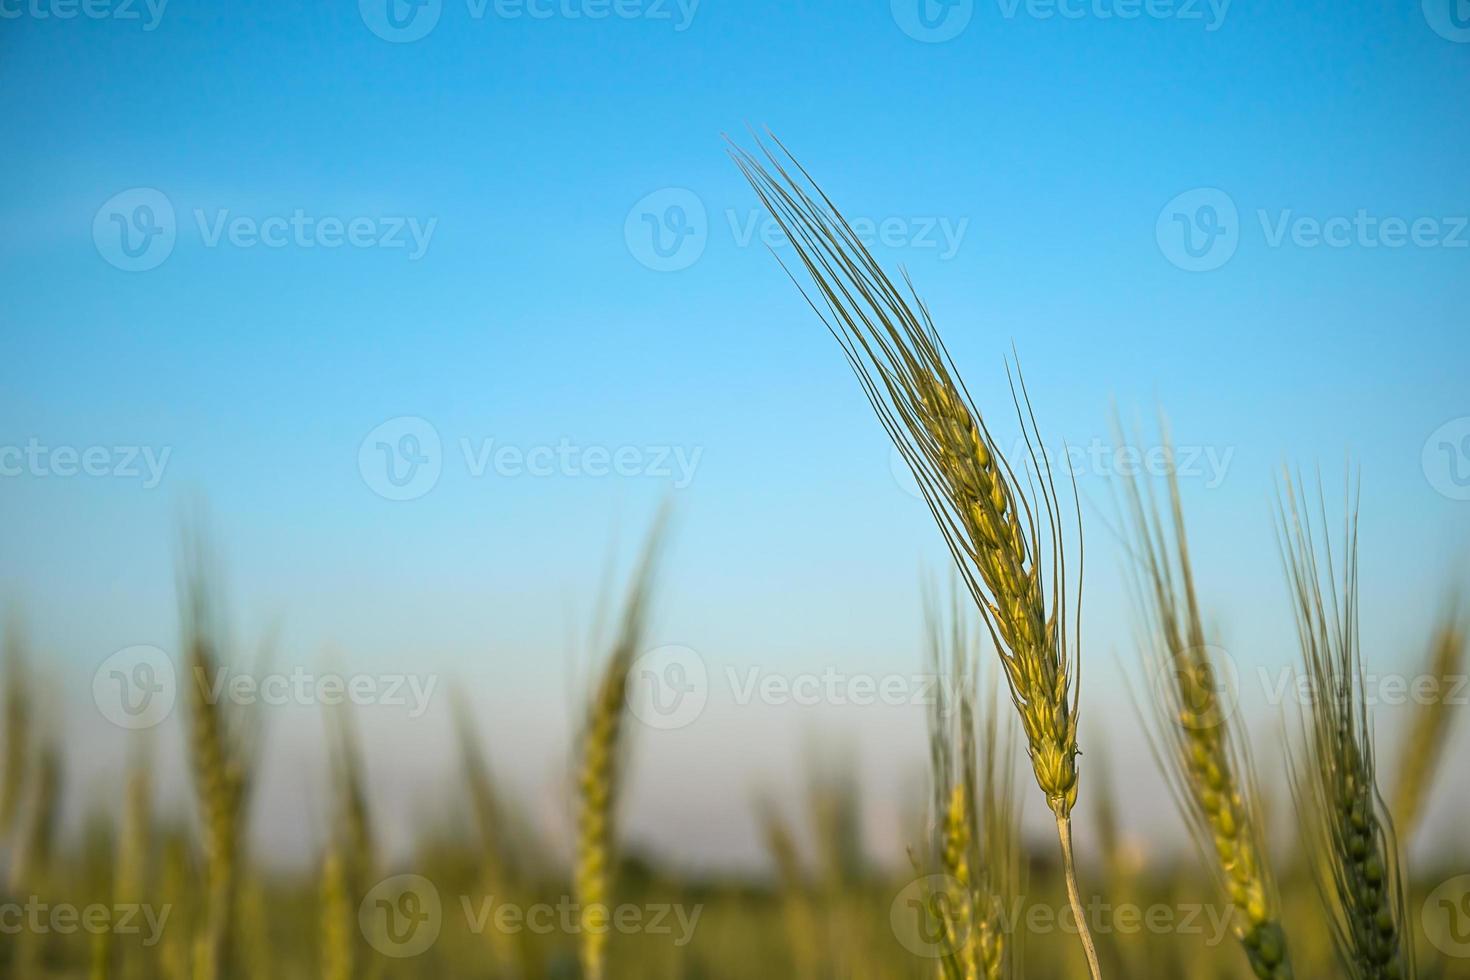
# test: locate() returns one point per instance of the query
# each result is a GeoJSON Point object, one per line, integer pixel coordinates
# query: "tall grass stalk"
{"type": "Point", "coordinates": [1004, 531]}
{"type": "Point", "coordinates": [975, 814]}
{"type": "Point", "coordinates": [1348, 832]}
{"type": "Point", "coordinates": [599, 772]}
{"type": "Point", "coordinates": [1206, 763]}
{"type": "Point", "coordinates": [1423, 748]}
{"type": "Point", "coordinates": [218, 755]}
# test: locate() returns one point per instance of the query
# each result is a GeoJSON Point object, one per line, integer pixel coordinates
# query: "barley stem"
{"type": "Point", "coordinates": [1069, 869]}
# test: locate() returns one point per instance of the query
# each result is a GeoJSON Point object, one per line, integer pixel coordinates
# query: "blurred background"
{"type": "Point", "coordinates": [424, 309]}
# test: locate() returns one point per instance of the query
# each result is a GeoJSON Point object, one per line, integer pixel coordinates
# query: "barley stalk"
{"type": "Point", "coordinates": [1419, 758]}
{"type": "Point", "coordinates": [598, 774]}
{"type": "Point", "coordinates": [337, 906]}
{"type": "Point", "coordinates": [974, 807]}
{"type": "Point", "coordinates": [17, 727]}
{"type": "Point", "coordinates": [217, 755]}
{"type": "Point", "coordinates": [1207, 766]}
{"type": "Point", "coordinates": [1007, 543]}
{"type": "Point", "coordinates": [1350, 834]}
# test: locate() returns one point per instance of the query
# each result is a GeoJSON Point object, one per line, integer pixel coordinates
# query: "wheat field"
{"type": "Point", "coordinates": [1302, 866]}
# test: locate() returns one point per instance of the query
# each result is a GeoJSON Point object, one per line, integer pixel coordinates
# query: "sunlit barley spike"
{"type": "Point", "coordinates": [219, 767]}
{"type": "Point", "coordinates": [974, 810]}
{"type": "Point", "coordinates": [1206, 764]}
{"type": "Point", "coordinates": [598, 772]}
{"type": "Point", "coordinates": [1005, 535]}
{"type": "Point", "coordinates": [1423, 747]}
{"type": "Point", "coordinates": [1349, 833]}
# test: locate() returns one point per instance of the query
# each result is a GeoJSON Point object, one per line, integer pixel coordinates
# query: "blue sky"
{"type": "Point", "coordinates": [1029, 171]}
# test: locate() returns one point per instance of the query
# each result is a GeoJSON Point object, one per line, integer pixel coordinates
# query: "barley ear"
{"type": "Point", "coordinates": [1006, 534]}
{"type": "Point", "coordinates": [1423, 747]}
{"type": "Point", "coordinates": [600, 748]}
{"type": "Point", "coordinates": [1348, 830]}
{"type": "Point", "coordinates": [1204, 760]}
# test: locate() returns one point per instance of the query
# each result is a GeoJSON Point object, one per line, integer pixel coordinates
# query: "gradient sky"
{"type": "Point", "coordinates": [533, 151]}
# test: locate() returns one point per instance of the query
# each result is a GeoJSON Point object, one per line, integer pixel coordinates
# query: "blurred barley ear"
{"type": "Point", "coordinates": [975, 811]}
{"type": "Point", "coordinates": [797, 911]}
{"type": "Point", "coordinates": [218, 751]}
{"type": "Point", "coordinates": [17, 728]}
{"type": "Point", "coordinates": [352, 846]}
{"type": "Point", "coordinates": [1204, 760]}
{"type": "Point", "coordinates": [1005, 532]}
{"type": "Point", "coordinates": [497, 874]}
{"type": "Point", "coordinates": [1347, 828]}
{"type": "Point", "coordinates": [133, 875]}
{"type": "Point", "coordinates": [1429, 731]}
{"type": "Point", "coordinates": [599, 767]}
